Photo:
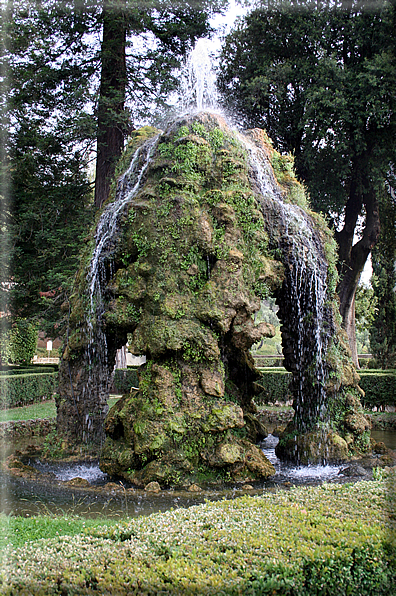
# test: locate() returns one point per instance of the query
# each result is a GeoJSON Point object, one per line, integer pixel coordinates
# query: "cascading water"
{"type": "Point", "coordinates": [303, 313]}
{"type": "Point", "coordinates": [105, 239]}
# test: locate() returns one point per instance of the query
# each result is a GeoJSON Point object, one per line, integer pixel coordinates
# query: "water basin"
{"type": "Point", "coordinates": [26, 497]}
{"type": "Point", "coordinates": [385, 436]}
{"type": "Point", "coordinates": [286, 472]}
{"type": "Point", "coordinates": [67, 471]}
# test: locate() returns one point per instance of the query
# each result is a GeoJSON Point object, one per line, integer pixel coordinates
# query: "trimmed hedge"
{"type": "Point", "coordinates": [21, 389]}
{"type": "Point", "coordinates": [379, 387]}
{"type": "Point", "coordinates": [42, 369]}
{"type": "Point", "coordinates": [276, 383]}
{"type": "Point", "coordinates": [124, 379]}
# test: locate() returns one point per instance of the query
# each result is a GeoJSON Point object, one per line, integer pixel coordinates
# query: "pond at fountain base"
{"type": "Point", "coordinates": [110, 498]}
{"type": "Point", "coordinates": [388, 437]}
{"type": "Point", "coordinates": [290, 473]}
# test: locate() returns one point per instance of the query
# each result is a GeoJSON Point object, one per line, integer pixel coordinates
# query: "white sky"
{"type": "Point", "coordinates": [226, 21]}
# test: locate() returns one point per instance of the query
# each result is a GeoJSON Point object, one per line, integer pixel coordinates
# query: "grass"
{"type": "Point", "coordinates": [45, 409]}
{"type": "Point", "coordinates": [328, 540]}
{"type": "Point", "coordinates": [18, 531]}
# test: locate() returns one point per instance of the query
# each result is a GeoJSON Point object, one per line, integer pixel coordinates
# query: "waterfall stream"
{"type": "Point", "coordinates": [96, 388]}
{"type": "Point", "coordinates": [107, 228]}
{"type": "Point", "coordinates": [105, 238]}
{"type": "Point", "coordinates": [305, 286]}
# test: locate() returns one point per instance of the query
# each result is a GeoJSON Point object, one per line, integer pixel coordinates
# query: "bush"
{"type": "Point", "coordinates": [329, 540]}
{"type": "Point", "coordinates": [276, 383]}
{"type": "Point", "coordinates": [125, 379]}
{"type": "Point", "coordinates": [19, 390]}
{"type": "Point", "coordinates": [18, 344]}
{"type": "Point", "coordinates": [379, 387]}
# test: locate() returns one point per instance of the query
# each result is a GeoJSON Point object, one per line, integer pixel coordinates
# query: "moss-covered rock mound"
{"type": "Point", "coordinates": [196, 233]}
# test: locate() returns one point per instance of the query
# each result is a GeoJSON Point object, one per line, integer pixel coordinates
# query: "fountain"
{"type": "Point", "coordinates": [204, 223]}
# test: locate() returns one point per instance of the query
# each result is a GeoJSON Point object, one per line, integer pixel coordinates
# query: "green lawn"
{"type": "Point", "coordinates": [45, 409]}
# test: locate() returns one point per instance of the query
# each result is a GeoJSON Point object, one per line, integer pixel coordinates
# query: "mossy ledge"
{"type": "Point", "coordinates": [196, 248]}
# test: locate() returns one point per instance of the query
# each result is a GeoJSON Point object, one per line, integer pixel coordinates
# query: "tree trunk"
{"type": "Point", "coordinates": [111, 114]}
{"type": "Point", "coordinates": [352, 258]}
{"type": "Point", "coordinates": [350, 328]}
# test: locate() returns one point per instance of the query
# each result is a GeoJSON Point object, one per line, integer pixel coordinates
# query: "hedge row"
{"type": "Point", "coordinates": [42, 369]}
{"type": "Point", "coordinates": [124, 379]}
{"type": "Point", "coordinates": [20, 390]}
{"type": "Point", "coordinates": [276, 383]}
{"type": "Point", "coordinates": [379, 387]}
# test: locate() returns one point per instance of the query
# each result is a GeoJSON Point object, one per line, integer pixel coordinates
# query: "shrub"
{"type": "Point", "coordinates": [18, 344]}
{"type": "Point", "coordinates": [379, 387]}
{"type": "Point", "coordinates": [330, 540]}
{"type": "Point", "coordinates": [19, 390]}
{"type": "Point", "coordinates": [276, 383]}
{"type": "Point", "coordinates": [41, 369]}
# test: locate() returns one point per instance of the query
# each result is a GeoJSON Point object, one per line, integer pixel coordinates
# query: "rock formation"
{"type": "Point", "coordinates": [198, 230]}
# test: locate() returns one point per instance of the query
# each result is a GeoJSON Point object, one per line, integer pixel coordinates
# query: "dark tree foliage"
{"type": "Point", "coordinates": [383, 330]}
{"type": "Point", "coordinates": [320, 77]}
{"type": "Point", "coordinates": [76, 72]}
{"type": "Point", "coordinates": [47, 200]}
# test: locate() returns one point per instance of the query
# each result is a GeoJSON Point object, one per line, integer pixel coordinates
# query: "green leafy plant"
{"type": "Point", "coordinates": [18, 345]}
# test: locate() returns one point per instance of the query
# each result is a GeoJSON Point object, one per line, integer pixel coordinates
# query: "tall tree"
{"type": "Point", "coordinates": [46, 162]}
{"type": "Point", "coordinates": [383, 330]}
{"type": "Point", "coordinates": [111, 116]}
{"type": "Point", "coordinates": [320, 78]}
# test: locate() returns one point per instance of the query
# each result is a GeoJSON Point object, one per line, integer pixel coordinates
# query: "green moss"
{"type": "Point", "coordinates": [283, 166]}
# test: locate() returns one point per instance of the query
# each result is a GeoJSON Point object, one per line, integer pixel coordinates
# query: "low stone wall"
{"type": "Point", "coordinates": [274, 418]}
{"type": "Point", "coordinates": [24, 429]}
{"type": "Point", "coordinates": [382, 420]}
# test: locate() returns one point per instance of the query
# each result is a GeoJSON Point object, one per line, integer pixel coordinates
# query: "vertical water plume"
{"type": "Point", "coordinates": [198, 85]}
